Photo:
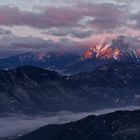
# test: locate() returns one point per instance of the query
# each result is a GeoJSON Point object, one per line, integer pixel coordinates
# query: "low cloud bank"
{"type": "Point", "coordinates": [13, 126]}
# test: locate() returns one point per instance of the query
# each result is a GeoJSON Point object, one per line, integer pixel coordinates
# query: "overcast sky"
{"type": "Point", "coordinates": [71, 25]}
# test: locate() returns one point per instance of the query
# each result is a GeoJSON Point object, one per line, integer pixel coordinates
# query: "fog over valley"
{"type": "Point", "coordinates": [12, 126]}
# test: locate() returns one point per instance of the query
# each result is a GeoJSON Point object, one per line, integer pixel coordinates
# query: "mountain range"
{"type": "Point", "coordinates": [108, 50]}
{"type": "Point", "coordinates": [57, 61]}
{"type": "Point", "coordinates": [104, 52]}
{"type": "Point", "coordinates": [30, 89]}
{"type": "Point", "coordinates": [104, 76]}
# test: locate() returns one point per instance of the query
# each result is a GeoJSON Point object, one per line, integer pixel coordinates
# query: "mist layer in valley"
{"type": "Point", "coordinates": [12, 126]}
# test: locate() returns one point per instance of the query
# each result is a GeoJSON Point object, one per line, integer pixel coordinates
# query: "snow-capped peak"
{"type": "Point", "coordinates": [109, 49]}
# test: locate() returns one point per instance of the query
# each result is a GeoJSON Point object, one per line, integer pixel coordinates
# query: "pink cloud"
{"type": "Point", "coordinates": [104, 16]}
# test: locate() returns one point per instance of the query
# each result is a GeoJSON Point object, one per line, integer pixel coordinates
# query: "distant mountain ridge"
{"type": "Point", "coordinates": [49, 60]}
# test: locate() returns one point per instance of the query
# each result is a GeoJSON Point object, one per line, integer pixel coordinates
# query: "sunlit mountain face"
{"type": "Point", "coordinates": [107, 50]}
{"type": "Point", "coordinates": [114, 48]}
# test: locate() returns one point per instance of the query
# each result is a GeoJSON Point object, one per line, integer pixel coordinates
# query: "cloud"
{"type": "Point", "coordinates": [136, 20]}
{"type": "Point", "coordinates": [52, 16]}
{"type": "Point", "coordinates": [107, 14]}
{"type": "Point", "coordinates": [5, 32]}
{"type": "Point", "coordinates": [26, 124]}
{"type": "Point", "coordinates": [134, 41]}
{"type": "Point", "coordinates": [12, 45]}
{"type": "Point", "coordinates": [71, 25]}
{"type": "Point", "coordinates": [62, 32]}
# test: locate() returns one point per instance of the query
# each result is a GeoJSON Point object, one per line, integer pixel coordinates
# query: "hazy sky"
{"type": "Point", "coordinates": [72, 25]}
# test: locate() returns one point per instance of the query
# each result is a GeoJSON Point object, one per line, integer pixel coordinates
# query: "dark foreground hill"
{"type": "Point", "coordinates": [121, 125]}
